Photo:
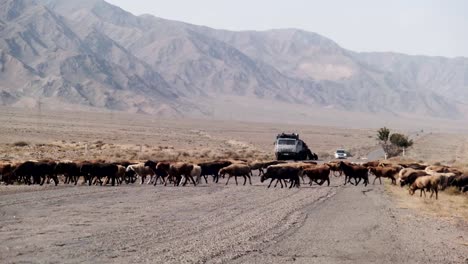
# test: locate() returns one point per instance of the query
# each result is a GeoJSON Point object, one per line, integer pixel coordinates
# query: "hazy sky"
{"type": "Point", "coordinates": [429, 27]}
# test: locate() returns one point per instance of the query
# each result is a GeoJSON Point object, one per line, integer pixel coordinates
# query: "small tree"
{"type": "Point", "coordinates": [383, 135]}
{"type": "Point", "coordinates": [393, 144]}
{"type": "Point", "coordinates": [401, 141]}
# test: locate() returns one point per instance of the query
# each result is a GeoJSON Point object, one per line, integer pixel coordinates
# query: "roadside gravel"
{"type": "Point", "coordinates": [219, 224]}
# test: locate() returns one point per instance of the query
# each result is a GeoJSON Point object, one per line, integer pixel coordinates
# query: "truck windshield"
{"type": "Point", "coordinates": [340, 151]}
{"type": "Point", "coordinates": [286, 142]}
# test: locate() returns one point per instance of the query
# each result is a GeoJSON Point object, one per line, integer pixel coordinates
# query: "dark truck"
{"type": "Point", "coordinates": [290, 147]}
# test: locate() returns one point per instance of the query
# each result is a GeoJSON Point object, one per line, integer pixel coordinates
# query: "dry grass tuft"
{"type": "Point", "coordinates": [21, 144]}
{"type": "Point", "coordinates": [452, 191]}
{"type": "Point", "coordinates": [451, 203]}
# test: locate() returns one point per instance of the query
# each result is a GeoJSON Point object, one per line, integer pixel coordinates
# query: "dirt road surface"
{"type": "Point", "coordinates": [219, 224]}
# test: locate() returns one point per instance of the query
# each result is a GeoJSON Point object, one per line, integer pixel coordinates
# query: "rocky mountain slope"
{"type": "Point", "coordinates": [90, 54]}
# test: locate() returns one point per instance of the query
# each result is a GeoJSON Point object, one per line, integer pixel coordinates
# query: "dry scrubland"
{"type": "Point", "coordinates": [117, 136]}
{"type": "Point", "coordinates": [29, 134]}
{"type": "Point", "coordinates": [216, 223]}
{"type": "Point", "coordinates": [444, 148]}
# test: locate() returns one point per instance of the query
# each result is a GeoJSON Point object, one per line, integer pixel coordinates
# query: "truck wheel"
{"type": "Point", "coordinates": [279, 157]}
{"type": "Point", "coordinates": [302, 156]}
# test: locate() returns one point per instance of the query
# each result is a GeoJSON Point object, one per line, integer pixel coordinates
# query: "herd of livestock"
{"type": "Point", "coordinates": [416, 176]}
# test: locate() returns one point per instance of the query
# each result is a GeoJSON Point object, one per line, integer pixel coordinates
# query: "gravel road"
{"type": "Point", "coordinates": [219, 224]}
{"type": "Point", "coordinates": [362, 225]}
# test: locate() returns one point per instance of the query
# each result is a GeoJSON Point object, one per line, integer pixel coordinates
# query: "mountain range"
{"type": "Point", "coordinates": [91, 55]}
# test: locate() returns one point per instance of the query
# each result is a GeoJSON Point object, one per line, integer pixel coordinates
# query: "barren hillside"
{"type": "Point", "coordinates": [93, 55]}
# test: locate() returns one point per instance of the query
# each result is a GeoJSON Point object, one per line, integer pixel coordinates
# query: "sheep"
{"type": "Point", "coordinates": [69, 169]}
{"type": "Point", "coordinates": [384, 172]}
{"type": "Point", "coordinates": [126, 163]}
{"type": "Point", "coordinates": [372, 164]}
{"type": "Point", "coordinates": [458, 181]}
{"type": "Point", "coordinates": [160, 170]}
{"type": "Point", "coordinates": [141, 171]}
{"type": "Point", "coordinates": [464, 189]}
{"type": "Point", "coordinates": [407, 176]}
{"type": "Point", "coordinates": [282, 173]}
{"type": "Point", "coordinates": [179, 169]}
{"type": "Point", "coordinates": [415, 166]}
{"type": "Point", "coordinates": [212, 168]}
{"type": "Point", "coordinates": [119, 176]}
{"type": "Point", "coordinates": [335, 168]}
{"type": "Point", "coordinates": [444, 178]}
{"type": "Point", "coordinates": [357, 172]}
{"type": "Point", "coordinates": [272, 163]}
{"type": "Point", "coordinates": [38, 170]}
{"type": "Point", "coordinates": [237, 170]}
{"type": "Point", "coordinates": [442, 169]}
{"type": "Point", "coordinates": [267, 164]}
{"type": "Point", "coordinates": [195, 173]}
{"type": "Point", "coordinates": [436, 169]}
{"type": "Point", "coordinates": [299, 165]}
{"type": "Point", "coordinates": [6, 171]}
{"type": "Point", "coordinates": [24, 172]}
{"type": "Point", "coordinates": [455, 171]}
{"type": "Point", "coordinates": [238, 161]}
{"type": "Point", "coordinates": [425, 183]}
{"type": "Point", "coordinates": [98, 171]}
{"type": "Point", "coordinates": [317, 173]}
{"type": "Point", "coordinates": [389, 164]}
{"type": "Point", "coordinates": [121, 173]}
{"type": "Point", "coordinates": [257, 165]}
